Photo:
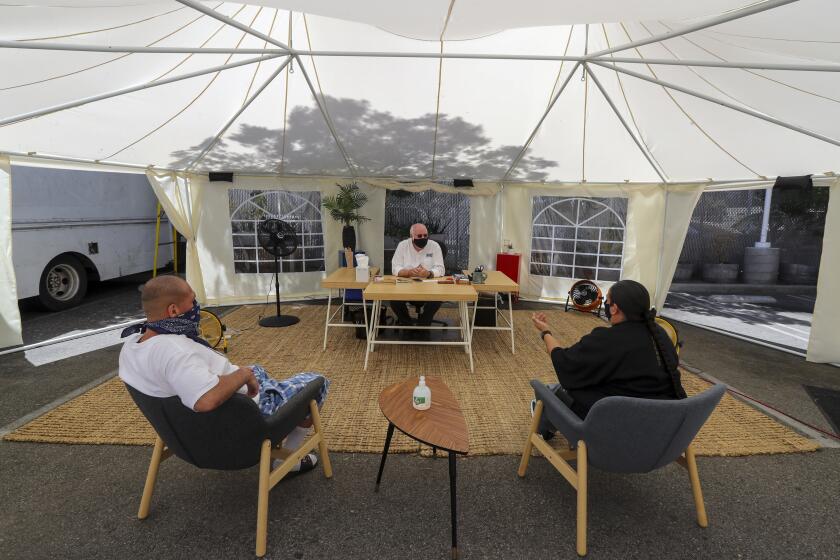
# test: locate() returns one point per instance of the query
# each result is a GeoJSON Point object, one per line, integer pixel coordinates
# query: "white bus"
{"type": "Point", "coordinates": [70, 227]}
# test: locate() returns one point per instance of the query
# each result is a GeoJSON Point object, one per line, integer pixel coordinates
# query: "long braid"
{"type": "Point", "coordinates": [665, 349]}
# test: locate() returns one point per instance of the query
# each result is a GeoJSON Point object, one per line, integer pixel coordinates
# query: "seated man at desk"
{"type": "Point", "coordinates": [417, 257]}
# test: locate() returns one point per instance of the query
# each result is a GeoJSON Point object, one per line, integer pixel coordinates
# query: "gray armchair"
{"type": "Point", "coordinates": [621, 434]}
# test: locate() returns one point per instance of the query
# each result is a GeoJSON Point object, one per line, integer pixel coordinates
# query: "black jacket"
{"type": "Point", "coordinates": [619, 360]}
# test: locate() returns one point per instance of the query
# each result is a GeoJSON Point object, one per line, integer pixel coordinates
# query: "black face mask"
{"type": "Point", "coordinates": [421, 242]}
{"type": "Point", "coordinates": [607, 312]}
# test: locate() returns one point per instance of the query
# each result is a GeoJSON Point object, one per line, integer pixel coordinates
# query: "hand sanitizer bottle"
{"type": "Point", "coordinates": [422, 398]}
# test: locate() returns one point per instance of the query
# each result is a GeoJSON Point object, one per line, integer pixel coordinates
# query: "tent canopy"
{"type": "Point", "coordinates": [532, 91]}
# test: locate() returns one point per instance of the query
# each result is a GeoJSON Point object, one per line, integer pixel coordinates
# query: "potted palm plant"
{"type": "Point", "coordinates": [344, 207]}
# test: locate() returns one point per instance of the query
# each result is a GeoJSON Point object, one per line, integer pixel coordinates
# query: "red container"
{"type": "Point", "coordinates": [508, 263]}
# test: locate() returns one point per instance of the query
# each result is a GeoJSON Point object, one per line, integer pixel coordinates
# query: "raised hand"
{"type": "Point", "coordinates": [540, 321]}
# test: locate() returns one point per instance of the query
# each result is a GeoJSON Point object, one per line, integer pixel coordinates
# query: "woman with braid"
{"type": "Point", "coordinates": [632, 358]}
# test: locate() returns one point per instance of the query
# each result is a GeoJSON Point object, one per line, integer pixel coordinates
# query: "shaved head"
{"type": "Point", "coordinates": [161, 292]}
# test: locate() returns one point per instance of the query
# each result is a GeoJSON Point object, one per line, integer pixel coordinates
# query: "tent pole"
{"type": "Point", "coordinates": [711, 22]}
{"type": "Point", "coordinates": [134, 49]}
{"type": "Point", "coordinates": [721, 102]}
{"type": "Point", "coordinates": [232, 22]}
{"type": "Point", "coordinates": [239, 112]}
{"type": "Point", "coordinates": [132, 89]}
{"type": "Point", "coordinates": [464, 56]}
{"type": "Point", "coordinates": [539, 123]}
{"type": "Point", "coordinates": [642, 148]}
{"type": "Point", "coordinates": [327, 118]}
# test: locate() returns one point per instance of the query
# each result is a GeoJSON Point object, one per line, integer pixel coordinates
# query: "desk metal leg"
{"type": "Point", "coordinates": [465, 321]}
{"type": "Point", "coordinates": [510, 309]}
{"type": "Point", "coordinates": [453, 506]}
{"type": "Point", "coordinates": [370, 333]}
{"type": "Point", "coordinates": [364, 312]}
{"type": "Point", "coordinates": [385, 456]}
{"type": "Point", "coordinates": [327, 322]}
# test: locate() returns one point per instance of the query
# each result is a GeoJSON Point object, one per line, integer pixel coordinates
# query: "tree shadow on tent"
{"type": "Point", "coordinates": [379, 143]}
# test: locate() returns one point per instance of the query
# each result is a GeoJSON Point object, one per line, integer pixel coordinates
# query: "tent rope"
{"type": "Point", "coordinates": [285, 103]}
{"type": "Point", "coordinates": [190, 103]}
{"type": "Point", "coordinates": [631, 112]}
{"type": "Point", "coordinates": [245, 101]}
{"type": "Point", "coordinates": [754, 73]}
{"type": "Point", "coordinates": [781, 39]}
{"type": "Point", "coordinates": [688, 115]}
{"type": "Point", "coordinates": [439, 87]}
{"type": "Point", "coordinates": [104, 29]}
{"type": "Point", "coordinates": [322, 102]}
{"type": "Point", "coordinates": [101, 64]}
{"type": "Point", "coordinates": [562, 62]}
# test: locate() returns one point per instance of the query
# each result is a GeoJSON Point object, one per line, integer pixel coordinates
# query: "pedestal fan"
{"type": "Point", "coordinates": [279, 239]}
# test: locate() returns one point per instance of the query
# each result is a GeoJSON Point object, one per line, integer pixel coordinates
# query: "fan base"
{"type": "Point", "coordinates": [278, 321]}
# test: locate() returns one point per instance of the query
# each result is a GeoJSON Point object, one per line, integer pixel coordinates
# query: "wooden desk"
{"type": "Point", "coordinates": [441, 426]}
{"type": "Point", "coordinates": [344, 279]}
{"type": "Point", "coordinates": [377, 292]}
{"type": "Point", "coordinates": [498, 283]}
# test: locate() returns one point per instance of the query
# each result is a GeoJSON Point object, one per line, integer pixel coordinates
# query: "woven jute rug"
{"type": "Point", "coordinates": [494, 398]}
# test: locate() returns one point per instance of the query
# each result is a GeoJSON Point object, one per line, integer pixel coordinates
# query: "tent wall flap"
{"type": "Point", "coordinates": [824, 343]}
{"type": "Point", "coordinates": [10, 328]}
{"type": "Point", "coordinates": [180, 196]}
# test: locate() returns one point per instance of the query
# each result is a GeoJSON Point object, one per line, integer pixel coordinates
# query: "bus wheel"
{"type": "Point", "coordinates": [63, 283]}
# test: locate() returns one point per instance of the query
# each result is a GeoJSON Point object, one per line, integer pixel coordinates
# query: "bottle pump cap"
{"type": "Point", "coordinates": [422, 380]}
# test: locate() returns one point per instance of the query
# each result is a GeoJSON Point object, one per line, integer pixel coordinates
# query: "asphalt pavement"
{"type": "Point", "coordinates": [66, 501]}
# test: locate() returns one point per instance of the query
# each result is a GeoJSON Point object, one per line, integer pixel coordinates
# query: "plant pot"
{"type": "Point", "coordinates": [348, 237]}
{"type": "Point", "coordinates": [684, 272]}
{"type": "Point", "coordinates": [761, 265]}
{"type": "Point", "coordinates": [798, 274]}
{"type": "Point", "coordinates": [723, 273]}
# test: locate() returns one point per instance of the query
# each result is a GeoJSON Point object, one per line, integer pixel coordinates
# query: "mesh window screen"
{"type": "Point", "coordinates": [725, 223]}
{"type": "Point", "coordinates": [573, 237]}
{"type": "Point", "coordinates": [300, 209]}
{"type": "Point", "coordinates": [447, 216]}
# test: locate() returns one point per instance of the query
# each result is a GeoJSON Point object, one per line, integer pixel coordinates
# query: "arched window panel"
{"type": "Point", "coordinates": [575, 237]}
{"type": "Point", "coordinates": [302, 210]}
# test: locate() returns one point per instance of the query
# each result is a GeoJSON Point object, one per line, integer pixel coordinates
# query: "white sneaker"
{"type": "Point", "coordinates": [304, 465]}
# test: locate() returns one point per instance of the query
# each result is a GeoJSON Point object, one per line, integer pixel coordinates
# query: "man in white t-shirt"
{"type": "Point", "coordinates": [167, 358]}
{"type": "Point", "coordinates": [417, 257]}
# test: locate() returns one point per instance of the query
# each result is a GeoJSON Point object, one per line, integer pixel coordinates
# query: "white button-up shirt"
{"type": "Point", "coordinates": [407, 256]}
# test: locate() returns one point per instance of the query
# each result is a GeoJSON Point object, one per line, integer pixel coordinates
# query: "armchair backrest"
{"type": "Point", "coordinates": [227, 438]}
{"type": "Point", "coordinates": [625, 434]}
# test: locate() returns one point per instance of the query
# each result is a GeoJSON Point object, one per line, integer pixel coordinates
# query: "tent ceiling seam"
{"type": "Point", "coordinates": [232, 22]}
{"type": "Point", "coordinates": [104, 29]}
{"type": "Point", "coordinates": [245, 102]}
{"type": "Point", "coordinates": [762, 76]}
{"type": "Point", "coordinates": [322, 102]}
{"type": "Point", "coordinates": [585, 107]}
{"type": "Point", "coordinates": [687, 114]}
{"type": "Point", "coordinates": [289, 38]}
{"type": "Point", "coordinates": [84, 101]}
{"type": "Point", "coordinates": [439, 87]}
{"type": "Point", "coordinates": [759, 50]}
{"type": "Point", "coordinates": [639, 137]}
{"type": "Point", "coordinates": [101, 64]}
{"type": "Point", "coordinates": [626, 126]}
{"type": "Point", "coordinates": [191, 102]}
{"type": "Point", "coordinates": [723, 103]}
{"type": "Point", "coordinates": [752, 9]}
{"type": "Point", "coordinates": [782, 39]}
{"type": "Point", "coordinates": [562, 62]}
{"type": "Point", "coordinates": [205, 42]}
{"type": "Point", "coordinates": [539, 123]}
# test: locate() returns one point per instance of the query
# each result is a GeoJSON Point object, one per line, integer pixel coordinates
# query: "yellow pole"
{"type": "Point", "coordinates": [175, 249]}
{"type": "Point", "coordinates": [157, 242]}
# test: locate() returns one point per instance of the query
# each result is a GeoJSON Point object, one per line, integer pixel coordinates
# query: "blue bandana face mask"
{"type": "Point", "coordinates": [186, 324]}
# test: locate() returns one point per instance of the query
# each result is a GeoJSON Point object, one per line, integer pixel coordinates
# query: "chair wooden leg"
{"type": "Point", "coordinates": [581, 498]}
{"type": "Point", "coordinates": [151, 478]}
{"type": "Point", "coordinates": [262, 498]}
{"type": "Point", "coordinates": [322, 445]}
{"type": "Point", "coordinates": [694, 476]}
{"type": "Point", "coordinates": [526, 454]}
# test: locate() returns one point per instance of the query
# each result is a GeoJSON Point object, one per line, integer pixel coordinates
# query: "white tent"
{"type": "Point", "coordinates": [648, 100]}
